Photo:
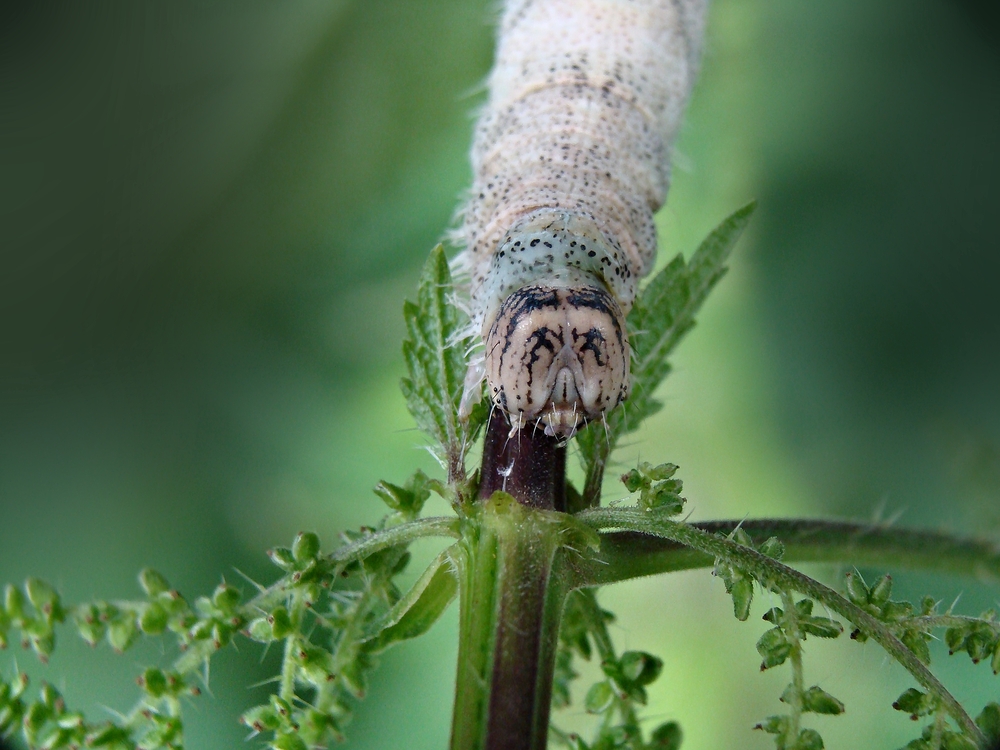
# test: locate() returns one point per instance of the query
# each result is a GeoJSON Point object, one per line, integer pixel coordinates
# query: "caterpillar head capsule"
{"type": "Point", "coordinates": [557, 356]}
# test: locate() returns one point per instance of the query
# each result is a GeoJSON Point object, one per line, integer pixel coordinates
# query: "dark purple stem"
{"type": "Point", "coordinates": [528, 465]}
{"type": "Point", "coordinates": [531, 467]}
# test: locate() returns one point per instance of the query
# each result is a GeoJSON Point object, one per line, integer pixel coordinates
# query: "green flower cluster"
{"type": "Point", "coordinates": [35, 609]}
{"type": "Point", "coordinates": [326, 634]}
{"type": "Point", "coordinates": [615, 699]}
{"type": "Point", "coordinates": [979, 637]}
{"type": "Point", "coordinates": [328, 612]}
{"type": "Point", "coordinates": [658, 489]}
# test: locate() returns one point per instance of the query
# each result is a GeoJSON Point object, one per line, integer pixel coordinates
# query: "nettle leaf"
{"type": "Point", "coordinates": [434, 351]}
{"type": "Point", "coordinates": [418, 610]}
{"type": "Point", "coordinates": [660, 317]}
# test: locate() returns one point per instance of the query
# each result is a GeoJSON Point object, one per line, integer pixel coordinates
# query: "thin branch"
{"type": "Point", "coordinates": [627, 554]}
{"type": "Point", "coordinates": [772, 572]}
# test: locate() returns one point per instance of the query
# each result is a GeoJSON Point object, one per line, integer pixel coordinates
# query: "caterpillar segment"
{"type": "Point", "coordinates": [571, 158]}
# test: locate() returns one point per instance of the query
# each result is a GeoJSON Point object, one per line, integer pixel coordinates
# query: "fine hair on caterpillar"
{"type": "Point", "coordinates": [570, 161]}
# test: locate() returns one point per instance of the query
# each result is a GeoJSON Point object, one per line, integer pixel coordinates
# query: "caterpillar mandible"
{"type": "Point", "coordinates": [571, 158]}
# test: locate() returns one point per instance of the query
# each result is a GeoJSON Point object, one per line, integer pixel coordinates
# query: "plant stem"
{"type": "Point", "coordinates": [795, 657]}
{"type": "Point", "coordinates": [765, 569]}
{"type": "Point", "coordinates": [512, 594]}
{"type": "Point", "coordinates": [529, 465]}
{"type": "Point", "coordinates": [628, 554]}
{"type": "Point", "coordinates": [511, 603]}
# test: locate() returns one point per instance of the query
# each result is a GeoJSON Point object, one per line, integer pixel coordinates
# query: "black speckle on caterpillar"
{"type": "Point", "coordinates": [570, 161]}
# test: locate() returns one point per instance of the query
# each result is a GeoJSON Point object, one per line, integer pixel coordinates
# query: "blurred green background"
{"type": "Point", "coordinates": [211, 213]}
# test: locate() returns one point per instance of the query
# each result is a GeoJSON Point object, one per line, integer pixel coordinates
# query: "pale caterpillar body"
{"type": "Point", "coordinates": [571, 158]}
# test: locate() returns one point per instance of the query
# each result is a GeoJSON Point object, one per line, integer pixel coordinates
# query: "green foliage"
{"type": "Point", "coordinates": [332, 614]}
{"type": "Point", "coordinates": [616, 698]}
{"type": "Point", "coordinates": [663, 312]}
{"type": "Point", "coordinates": [435, 355]}
{"type": "Point", "coordinates": [658, 489]}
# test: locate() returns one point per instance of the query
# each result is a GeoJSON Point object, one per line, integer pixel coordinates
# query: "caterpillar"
{"type": "Point", "coordinates": [570, 158]}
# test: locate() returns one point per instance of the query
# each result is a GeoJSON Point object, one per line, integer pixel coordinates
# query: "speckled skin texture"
{"type": "Point", "coordinates": [572, 151]}
{"type": "Point", "coordinates": [558, 356]}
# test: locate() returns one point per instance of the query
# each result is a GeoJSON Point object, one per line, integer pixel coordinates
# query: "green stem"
{"type": "Point", "coordinates": [795, 657]}
{"type": "Point", "coordinates": [767, 570]}
{"type": "Point", "coordinates": [512, 596]}
{"type": "Point", "coordinates": [628, 554]}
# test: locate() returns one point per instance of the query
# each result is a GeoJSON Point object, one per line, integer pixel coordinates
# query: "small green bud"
{"type": "Point", "coordinates": [789, 693]}
{"type": "Point", "coordinates": [316, 667]}
{"type": "Point", "coordinates": [880, 591]}
{"type": "Point", "coordinates": [819, 701]}
{"type": "Point", "coordinates": [44, 598]}
{"type": "Point", "coordinates": [640, 667]}
{"type": "Point", "coordinates": [154, 682]}
{"type": "Point", "coordinates": [122, 632]}
{"type": "Point", "coordinates": [110, 735]}
{"type": "Point", "coordinates": [915, 703]}
{"type": "Point", "coordinates": [262, 719]}
{"type": "Point", "coordinates": [897, 611]}
{"type": "Point", "coordinates": [979, 645]}
{"type": "Point", "coordinates": [42, 640]}
{"type": "Point", "coordinates": [634, 480]}
{"type": "Point", "coordinates": [928, 606]}
{"type": "Point", "coordinates": [393, 495]}
{"type": "Point", "coordinates": [305, 547]}
{"type": "Point", "coordinates": [774, 725]}
{"type": "Point", "coordinates": [774, 647]}
{"type": "Point", "coordinates": [18, 685]}
{"type": "Point", "coordinates": [35, 717]}
{"type": "Point", "coordinates": [71, 720]}
{"type": "Point", "coordinates": [989, 722]}
{"type": "Point", "coordinates": [809, 739]}
{"type": "Point", "coordinates": [857, 591]}
{"type": "Point", "coordinates": [773, 548]}
{"type": "Point", "coordinates": [152, 582]}
{"type": "Point", "coordinates": [153, 619]}
{"type": "Point", "coordinates": [89, 624]}
{"type": "Point", "coordinates": [282, 557]}
{"type": "Point", "coordinates": [320, 723]}
{"type": "Point", "coordinates": [599, 697]}
{"type": "Point", "coordinates": [281, 622]}
{"type": "Point", "coordinates": [742, 593]}
{"type": "Point", "coordinates": [659, 473]}
{"type": "Point", "coordinates": [281, 707]}
{"type": "Point", "coordinates": [995, 661]}
{"type": "Point", "coordinates": [10, 717]}
{"type": "Point", "coordinates": [166, 730]}
{"type": "Point", "coordinates": [666, 737]}
{"type": "Point", "coordinates": [409, 499]}
{"type": "Point", "coordinates": [51, 697]}
{"type": "Point", "coordinates": [289, 741]}
{"type": "Point", "coordinates": [741, 537]}
{"type": "Point", "coordinates": [201, 630]}
{"type": "Point", "coordinates": [954, 638]}
{"type": "Point", "coordinates": [260, 630]}
{"type": "Point", "coordinates": [14, 604]}
{"type": "Point", "coordinates": [221, 634]}
{"type": "Point", "coordinates": [226, 598]}
{"type": "Point", "coordinates": [172, 602]}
